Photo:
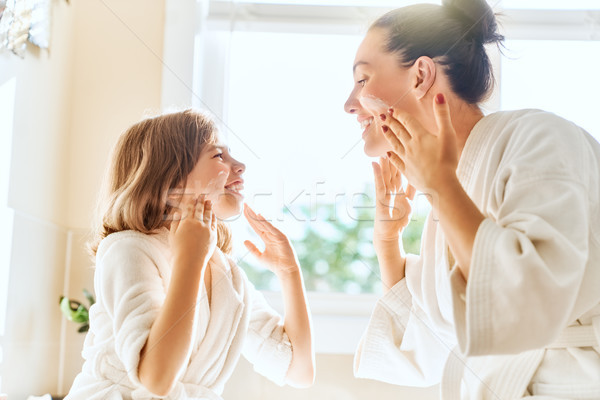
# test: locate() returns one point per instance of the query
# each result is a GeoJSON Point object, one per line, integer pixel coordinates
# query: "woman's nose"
{"type": "Point", "coordinates": [352, 104]}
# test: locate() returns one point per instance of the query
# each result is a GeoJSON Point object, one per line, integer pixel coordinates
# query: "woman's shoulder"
{"type": "Point", "coordinates": [532, 122]}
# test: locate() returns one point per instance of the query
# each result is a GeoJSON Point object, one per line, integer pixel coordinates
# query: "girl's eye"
{"type": "Point", "coordinates": [362, 82]}
{"type": "Point", "coordinates": [220, 155]}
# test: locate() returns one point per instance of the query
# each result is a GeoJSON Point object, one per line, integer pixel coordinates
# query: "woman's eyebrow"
{"type": "Point", "coordinates": [357, 64]}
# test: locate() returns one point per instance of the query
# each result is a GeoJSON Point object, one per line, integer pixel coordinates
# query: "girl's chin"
{"type": "Point", "coordinates": [228, 208]}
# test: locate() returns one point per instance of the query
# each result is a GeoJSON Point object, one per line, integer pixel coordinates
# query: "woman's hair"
{"type": "Point", "coordinates": [454, 34]}
{"type": "Point", "coordinates": [149, 161]}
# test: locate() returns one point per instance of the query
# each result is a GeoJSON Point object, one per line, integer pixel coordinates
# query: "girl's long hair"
{"type": "Point", "coordinates": [150, 160]}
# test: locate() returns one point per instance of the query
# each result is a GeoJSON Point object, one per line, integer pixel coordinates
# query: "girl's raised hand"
{"type": "Point", "coordinates": [426, 159]}
{"type": "Point", "coordinates": [193, 232]}
{"type": "Point", "coordinates": [279, 255]}
{"type": "Point", "coordinates": [392, 208]}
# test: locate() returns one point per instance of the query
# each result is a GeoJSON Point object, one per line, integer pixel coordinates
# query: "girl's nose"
{"type": "Point", "coordinates": [238, 167]}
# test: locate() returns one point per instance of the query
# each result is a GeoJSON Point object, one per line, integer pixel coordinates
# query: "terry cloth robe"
{"type": "Point", "coordinates": [527, 322]}
{"type": "Point", "coordinates": [131, 280]}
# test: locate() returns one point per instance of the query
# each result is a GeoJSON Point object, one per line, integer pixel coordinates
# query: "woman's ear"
{"type": "Point", "coordinates": [424, 70]}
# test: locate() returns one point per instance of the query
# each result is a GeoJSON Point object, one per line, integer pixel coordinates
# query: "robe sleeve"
{"type": "Point", "coordinates": [400, 345]}
{"type": "Point", "coordinates": [132, 292]}
{"type": "Point", "coordinates": [526, 268]}
{"type": "Point", "coordinates": [267, 346]}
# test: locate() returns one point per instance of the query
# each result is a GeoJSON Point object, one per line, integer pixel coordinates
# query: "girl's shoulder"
{"type": "Point", "coordinates": [130, 241]}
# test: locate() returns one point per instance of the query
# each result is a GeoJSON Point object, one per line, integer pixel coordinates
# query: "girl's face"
{"type": "Point", "coordinates": [219, 176]}
{"type": "Point", "coordinates": [379, 83]}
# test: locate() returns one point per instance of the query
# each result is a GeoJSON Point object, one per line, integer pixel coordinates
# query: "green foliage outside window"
{"type": "Point", "coordinates": [336, 253]}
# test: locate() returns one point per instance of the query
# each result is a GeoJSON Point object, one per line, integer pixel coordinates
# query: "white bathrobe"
{"type": "Point", "coordinates": [131, 280]}
{"type": "Point", "coordinates": [535, 271]}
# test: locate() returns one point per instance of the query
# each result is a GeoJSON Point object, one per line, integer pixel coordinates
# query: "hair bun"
{"type": "Point", "coordinates": [478, 17]}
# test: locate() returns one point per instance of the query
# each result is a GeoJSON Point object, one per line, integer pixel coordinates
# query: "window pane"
{"type": "Point", "coordinates": [557, 76]}
{"type": "Point", "coordinates": [306, 170]}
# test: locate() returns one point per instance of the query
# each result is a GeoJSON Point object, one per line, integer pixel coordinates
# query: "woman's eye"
{"type": "Point", "coordinates": [220, 155]}
{"type": "Point", "coordinates": [362, 82]}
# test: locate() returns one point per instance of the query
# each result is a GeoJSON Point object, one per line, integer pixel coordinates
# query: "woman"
{"type": "Point", "coordinates": [504, 300]}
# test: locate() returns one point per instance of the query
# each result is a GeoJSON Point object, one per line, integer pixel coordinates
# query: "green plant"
{"type": "Point", "coordinates": [74, 311]}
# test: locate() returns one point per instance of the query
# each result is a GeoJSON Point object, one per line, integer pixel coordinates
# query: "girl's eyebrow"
{"type": "Point", "coordinates": [222, 147]}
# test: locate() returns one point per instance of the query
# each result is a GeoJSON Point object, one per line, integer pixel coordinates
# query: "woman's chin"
{"type": "Point", "coordinates": [374, 149]}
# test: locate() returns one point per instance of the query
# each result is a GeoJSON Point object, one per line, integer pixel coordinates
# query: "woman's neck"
{"type": "Point", "coordinates": [464, 118]}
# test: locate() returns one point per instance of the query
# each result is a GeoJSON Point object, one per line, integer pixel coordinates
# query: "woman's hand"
{"type": "Point", "coordinates": [193, 234]}
{"type": "Point", "coordinates": [427, 159]}
{"type": "Point", "coordinates": [392, 208]}
{"type": "Point", "coordinates": [279, 255]}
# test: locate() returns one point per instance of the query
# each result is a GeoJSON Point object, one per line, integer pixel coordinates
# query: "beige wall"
{"type": "Point", "coordinates": [102, 73]}
{"type": "Point", "coordinates": [38, 194]}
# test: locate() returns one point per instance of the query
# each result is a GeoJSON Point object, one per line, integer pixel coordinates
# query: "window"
{"type": "Point", "coordinates": [553, 75]}
{"type": "Point", "coordinates": [276, 74]}
{"type": "Point", "coordinates": [283, 90]}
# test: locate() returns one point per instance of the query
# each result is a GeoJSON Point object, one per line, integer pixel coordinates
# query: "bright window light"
{"type": "Point", "coordinates": [556, 76]}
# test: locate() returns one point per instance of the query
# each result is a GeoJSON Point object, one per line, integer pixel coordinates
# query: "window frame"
{"type": "Point", "coordinates": [193, 38]}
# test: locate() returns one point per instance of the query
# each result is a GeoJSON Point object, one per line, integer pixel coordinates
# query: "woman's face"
{"type": "Point", "coordinates": [378, 77]}
{"type": "Point", "coordinates": [219, 176]}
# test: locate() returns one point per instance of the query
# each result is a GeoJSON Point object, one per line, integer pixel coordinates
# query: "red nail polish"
{"type": "Point", "coordinates": [389, 154]}
{"type": "Point", "coordinates": [439, 98]}
{"type": "Point", "coordinates": [384, 128]}
{"type": "Point", "coordinates": [382, 116]}
{"type": "Point", "coordinates": [391, 111]}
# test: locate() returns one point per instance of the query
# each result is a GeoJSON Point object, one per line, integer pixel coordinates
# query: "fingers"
{"type": "Point", "coordinates": [393, 139]}
{"type": "Point", "coordinates": [213, 222]}
{"type": "Point", "coordinates": [385, 170]}
{"type": "Point", "coordinates": [410, 191]}
{"type": "Point", "coordinates": [252, 248]}
{"type": "Point", "coordinates": [441, 111]}
{"type": "Point", "coordinates": [260, 223]}
{"type": "Point", "coordinates": [175, 222]}
{"type": "Point", "coordinates": [252, 219]}
{"type": "Point", "coordinates": [378, 176]}
{"type": "Point", "coordinates": [207, 215]}
{"type": "Point", "coordinates": [396, 160]}
{"type": "Point", "coordinates": [398, 127]}
{"type": "Point", "coordinates": [198, 210]}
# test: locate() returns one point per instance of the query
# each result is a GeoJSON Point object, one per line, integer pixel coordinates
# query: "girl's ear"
{"type": "Point", "coordinates": [424, 72]}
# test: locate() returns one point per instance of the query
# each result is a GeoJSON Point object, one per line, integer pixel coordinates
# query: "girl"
{"type": "Point", "coordinates": [174, 312]}
{"type": "Point", "coordinates": [504, 300]}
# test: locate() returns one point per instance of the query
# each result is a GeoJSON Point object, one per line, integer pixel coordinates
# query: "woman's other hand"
{"type": "Point", "coordinates": [392, 208]}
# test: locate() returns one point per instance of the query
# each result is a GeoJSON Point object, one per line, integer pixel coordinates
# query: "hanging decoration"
{"type": "Point", "coordinates": [22, 21]}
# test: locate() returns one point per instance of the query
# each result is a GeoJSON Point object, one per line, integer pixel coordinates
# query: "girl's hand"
{"type": "Point", "coordinates": [279, 255]}
{"type": "Point", "coordinates": [392, 208]}
{"type": "Point", "coordinates": [193, 234]}
{"type": "Point", "coordinates": [426, 159]}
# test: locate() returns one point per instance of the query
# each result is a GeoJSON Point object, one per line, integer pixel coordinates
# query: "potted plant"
{"type": "Point", "coordinates": [77, 312]}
